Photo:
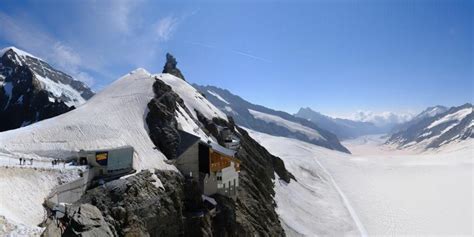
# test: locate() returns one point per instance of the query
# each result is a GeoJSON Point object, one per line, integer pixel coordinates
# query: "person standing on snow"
{"type": "Point", "coordinates": [20, 161]}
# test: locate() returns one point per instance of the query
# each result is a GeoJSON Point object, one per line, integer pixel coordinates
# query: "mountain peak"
{"type": "Point", "coordinates": [170, 66]}
{"type": "Point", "coordinates": [19, 52]}
{"type": "Point", "coordinates": [32, 90]}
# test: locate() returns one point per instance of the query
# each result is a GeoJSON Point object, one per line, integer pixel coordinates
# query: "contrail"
{"type": "Point", "coordinates": [233, 51]}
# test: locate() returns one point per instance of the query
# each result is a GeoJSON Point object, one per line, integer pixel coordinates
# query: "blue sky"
{"type": "Point", "coordinates": [337, 57]}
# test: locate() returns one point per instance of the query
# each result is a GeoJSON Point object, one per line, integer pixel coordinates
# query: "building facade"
{"type": "Point", "coordinates": [213, 166]}
{"type": "Point", "coordinates": [108, 162]}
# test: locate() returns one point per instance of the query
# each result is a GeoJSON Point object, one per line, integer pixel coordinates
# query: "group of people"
{"type": "Point", "coordinates": [57, 161]}
{"type": "Point", "coordinates": [23, 161]}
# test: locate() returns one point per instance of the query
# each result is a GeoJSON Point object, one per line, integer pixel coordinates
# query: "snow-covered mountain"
{"type": "Point", "coordinates": [433, 128]}
{"type": "Point", "coordinates": [125, 113]}
{"type": "Point", "coordinates": [31, 90]}
{"type": "Point", "coordinates": [427, 113]}
{"type": "Point", "coordinates": [262, 119]}
{"type": "Point", "coordinates": [343, 128]}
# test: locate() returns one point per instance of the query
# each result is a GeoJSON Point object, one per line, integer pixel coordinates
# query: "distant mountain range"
{"type": "Point", "coordinates": [270, 121]}
{"type": "Point", "coordinates": [427, 113]}
{"type": "Point", "coordinates": [435, 127]}
{"type": "Point", "coordinates": [343, 128]}
{"type": "Point", "coordinates": [31, 90]}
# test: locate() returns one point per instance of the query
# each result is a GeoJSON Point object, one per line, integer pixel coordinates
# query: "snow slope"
{"type": "Point", "coordinates": [218, 96]}
{"type": "Point", "coordinates": [115, 117]}
{"type": "Point", "coordinates": [454, 117]}
{"type": "Point", "coordinates": [454, 125]}
{"type": "Point", "coordinates": [312, 205]}
{"type": "Point", "coordinates": [391, 193]}
{"type": "Point", "coordinates": [112, 118]}
{"type": "Point", "coordinates": [292, 126]}
{"type": "Point", "coordinates": [192, 98]}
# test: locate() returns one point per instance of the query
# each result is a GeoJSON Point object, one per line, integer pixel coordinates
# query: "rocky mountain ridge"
{"type": "Point", "coordinates": [343, 128]}
{"type": "Point", "coordinates": [269, 121]}
{"type": "Point", "coordinates": [432, 130]}
{"type": "Point", "coordinates": [31, 90]}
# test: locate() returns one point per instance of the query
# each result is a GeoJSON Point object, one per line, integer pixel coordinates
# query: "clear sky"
{"type": "Point", "coordinates": [337, 57]}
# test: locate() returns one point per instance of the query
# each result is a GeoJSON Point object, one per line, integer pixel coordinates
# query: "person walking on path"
{"type": "Point", "coordinates": [20, 160]}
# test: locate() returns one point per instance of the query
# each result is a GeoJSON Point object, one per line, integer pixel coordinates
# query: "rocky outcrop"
{"type": "Point", "coordinates": [161, 120]}
{"type": "Point", "coordinates": [80, 220]}
{"type": "Point", "coordinates": [253, 214]}
{"type": "Point", "coordinates": [170, 66]}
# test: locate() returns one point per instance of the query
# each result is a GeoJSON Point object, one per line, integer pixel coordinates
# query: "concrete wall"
{"type": "Point", "coordinates": [210, 184]}
{"type": "Point", "coordinates": [72, 191]}
{"type": "Point", "coordinates": [188, 162]}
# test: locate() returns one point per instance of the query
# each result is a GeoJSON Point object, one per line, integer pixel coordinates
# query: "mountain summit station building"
{"type": "Point", "coordinates": [214, 167]}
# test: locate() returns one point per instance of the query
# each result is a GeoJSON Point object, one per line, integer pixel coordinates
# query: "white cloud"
{"type": "Point", "coordinates": [108, 38]}
{"type": "Point", "coordinates": [382, 118]}
{"type": "Point", "coordinates": [21, 33]}
{"type": "Point", "coordinates": [120, 13]}
{"type": "Point", "coordinates": [165, 27]}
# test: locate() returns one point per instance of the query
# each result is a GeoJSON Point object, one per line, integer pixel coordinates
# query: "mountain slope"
{"type": "Point", "coordinates": [429, 131]}
{"type": "Point", "coordinates": [427, 113]}
{"type": "Point", "coordinates": [120, 115]}
{"type": "Point", "coordinates": [269, 121]}
{"type": "Point", "coordinates": [343, 128]}
{"type": "Point", "coordinates": [112, 118]}
{"type": "Point", "coordinates": [31, 90]}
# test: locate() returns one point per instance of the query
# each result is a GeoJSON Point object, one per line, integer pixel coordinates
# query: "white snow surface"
{"type": "Point", "coordinates": [218, 96]}
{"type": "Point", "coordinates": [312, 205]}
{"type": "Point", "coordinates": [22, 192]}
{"type": "Point", "coordinates": [115, 117]}
{"type": "Point", "coordinates": [292, 126]}
{"type": "Point", "coordinates": [112, 118]}
{"type": "Point", "coordinates": [192, 98]}
{"type": "Point", "coordinates": [59, 90]}
{"type": "Point", "coordinates": [19, 52]}
{"type": "Point", "coordinates": [392, 193]}
{"type": "Point", "coordinates": [457, 116]}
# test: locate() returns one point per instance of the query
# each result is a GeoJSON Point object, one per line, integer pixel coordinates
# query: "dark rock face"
{"type": "Point", "coordinates": [253, 214]}
{"type": "Point", "coordinates": [136, 207]}
{"type": "Point", "coordinates": [23, 99]}
{"type": "Point", "coordinates": [86, 220]}
{"type": "Point", "coordinates": [161, 119]}
{"type": "Point", "coordinates": [238, 108]}
{"type": "Point", "coordinates": [170, 66]}
{"type": "Point", "coordinates": [255, 206]}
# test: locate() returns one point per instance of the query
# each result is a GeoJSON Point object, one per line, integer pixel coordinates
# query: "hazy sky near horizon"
{"type": "Point", "coordinates": [337, 57]}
